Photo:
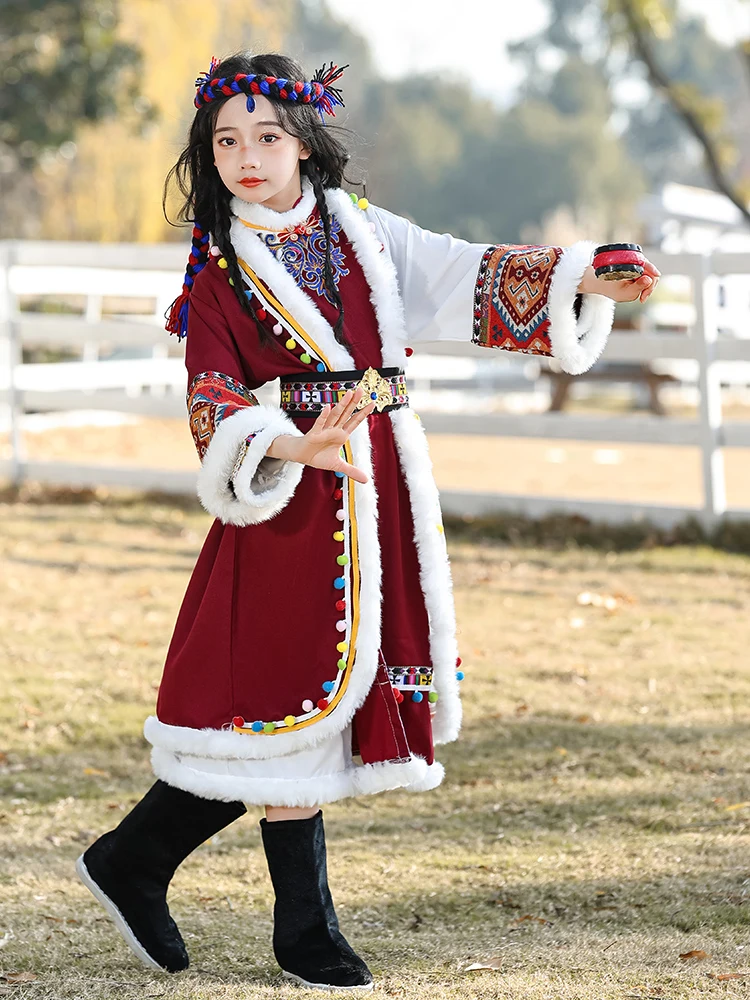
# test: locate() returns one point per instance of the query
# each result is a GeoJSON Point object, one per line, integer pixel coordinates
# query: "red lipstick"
{"type": "Point", "coordinates": [251, 181]}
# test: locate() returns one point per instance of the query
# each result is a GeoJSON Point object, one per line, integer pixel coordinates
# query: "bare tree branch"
{"type": "Point", "coordinates": [661, 81]}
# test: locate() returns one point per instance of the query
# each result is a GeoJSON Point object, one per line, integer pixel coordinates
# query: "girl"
{"type": "Point", "coordinates": [314, 656]}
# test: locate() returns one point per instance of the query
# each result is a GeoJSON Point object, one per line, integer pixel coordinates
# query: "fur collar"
{"type": "Point", "coordinates": [259, 215]}
{"type": "Point", "coordinates": [376, 265]}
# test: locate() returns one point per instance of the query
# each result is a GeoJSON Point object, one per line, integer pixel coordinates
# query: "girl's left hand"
{"type": "Point", "coordinates": [621, 291]}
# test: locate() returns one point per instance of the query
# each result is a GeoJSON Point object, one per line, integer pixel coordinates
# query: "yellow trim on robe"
{"type": "Point", "coordinates": [353, 534]}
{"type": "Point", "coordinates": [304, 337]}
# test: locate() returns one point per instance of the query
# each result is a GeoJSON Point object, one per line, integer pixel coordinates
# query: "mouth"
{"type": "Point", "coordinates": [251, 182]}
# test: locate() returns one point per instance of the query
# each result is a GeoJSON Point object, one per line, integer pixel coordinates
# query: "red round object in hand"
{"type": "Point", "coordinates": [618, 261]}
{"type": "Point", "coordinates": [618, 257]}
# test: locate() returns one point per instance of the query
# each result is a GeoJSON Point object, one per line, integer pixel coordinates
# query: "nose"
{"type": "Point", "coordinates": [249, 158]}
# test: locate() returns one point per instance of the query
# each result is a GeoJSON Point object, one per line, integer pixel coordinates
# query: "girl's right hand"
{"type": "Point", "coordinates": [320, 447]}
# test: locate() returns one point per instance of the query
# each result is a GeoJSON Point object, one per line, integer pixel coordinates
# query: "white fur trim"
{"type": "Point", "coordinates": [380, 273]}
{"type": "Point", "coordinates": [259, 215]}
{"type": "Point", "coordinates": [411, 442]}
{"type": "Point", "coordinates": [225, 744]}
{"type": "Point", "coordinates": [273, 273]}
{"type": "Point", "coordinates": [253, 502]}
{"type": "Point", "coordinates": [433, 777]}
{"type": "Point", "coordinates": [412, 445]}
{"type": "Point", "coordinates": [577, 343]}
{"type": "Point", "coordinates": [434, 570]}
{"type": "Point", "coordinates": [365, 779]}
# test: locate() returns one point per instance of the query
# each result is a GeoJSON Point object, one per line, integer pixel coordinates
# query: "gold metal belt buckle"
{"type": "Point", "coordinates": [376, 388]}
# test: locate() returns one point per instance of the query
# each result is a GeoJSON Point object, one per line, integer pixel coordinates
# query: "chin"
{"type": "Point", "coordinates": [255, 196]}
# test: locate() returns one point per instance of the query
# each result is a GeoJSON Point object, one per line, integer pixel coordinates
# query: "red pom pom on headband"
{"type": "Point", "coordinates": [319, 91]}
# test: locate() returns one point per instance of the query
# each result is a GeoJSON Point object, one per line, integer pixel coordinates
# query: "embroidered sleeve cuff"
{"type": "Point", "coordinates": [238, 482]}
{"type": "Point", "coordinates": [527, 300]}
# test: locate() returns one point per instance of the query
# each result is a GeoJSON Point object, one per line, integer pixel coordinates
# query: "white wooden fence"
{"type": "Point", "coordinates": [96, 271]}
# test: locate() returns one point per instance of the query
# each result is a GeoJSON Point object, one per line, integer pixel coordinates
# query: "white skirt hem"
{"type": "Point", "coordinates": [414, 774]}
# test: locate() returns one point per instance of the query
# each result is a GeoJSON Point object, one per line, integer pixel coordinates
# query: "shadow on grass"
{"type": "Point", "coordinates": [636, 776]}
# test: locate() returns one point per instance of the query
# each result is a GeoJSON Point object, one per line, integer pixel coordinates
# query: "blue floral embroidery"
{"type": "Point", "coordinates": [302, 251]}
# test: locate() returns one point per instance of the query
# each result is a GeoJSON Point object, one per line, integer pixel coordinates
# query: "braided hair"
{"type": "Point", "coordinates": [206, 200]}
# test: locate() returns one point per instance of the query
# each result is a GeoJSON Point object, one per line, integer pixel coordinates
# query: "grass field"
{"type": "Point", "coordinates": [592, 828]}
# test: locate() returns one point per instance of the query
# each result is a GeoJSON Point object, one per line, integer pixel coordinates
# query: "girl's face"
{"type": "Point", "coordinates": [257, 160]}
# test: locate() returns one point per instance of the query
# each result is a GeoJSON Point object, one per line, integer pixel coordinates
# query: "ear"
{"type": "Point", "coordinates": [305, 153]}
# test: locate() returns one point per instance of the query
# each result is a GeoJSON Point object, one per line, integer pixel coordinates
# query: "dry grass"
{"type": "Point", "coordinates": [601, 784]}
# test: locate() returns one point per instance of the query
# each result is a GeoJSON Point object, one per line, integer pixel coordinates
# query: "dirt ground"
{"type": "Point", "coordinates": [645, 473]}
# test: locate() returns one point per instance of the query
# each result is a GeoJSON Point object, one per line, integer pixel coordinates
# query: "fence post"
{"type": "Point", "coordinates": [9, 358]}
{"type": "Point", "coordinates": [711, 430]}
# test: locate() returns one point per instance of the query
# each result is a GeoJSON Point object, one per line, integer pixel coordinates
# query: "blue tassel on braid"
{"type": "Point", "coordinates": [177, 314]}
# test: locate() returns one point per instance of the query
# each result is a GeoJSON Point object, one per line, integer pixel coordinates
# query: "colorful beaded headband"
{"type": "Point", "coordinates": [319, 91]}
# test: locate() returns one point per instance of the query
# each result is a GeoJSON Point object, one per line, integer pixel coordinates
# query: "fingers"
{"type": "Point", "coordinates": [357, 418]}
{"type": "Point", "coordinates": [321, 422]}
{"type": "Point", "coordinates": [648, 280]}
{"type": "Point", "coordinates": [342, 410]}
{"type": "Point", "coordinates": [353, 472]}
{"type": "Point", "coordinates": [635, 288]}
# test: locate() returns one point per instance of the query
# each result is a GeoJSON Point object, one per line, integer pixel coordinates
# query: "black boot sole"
{"type": "Point", "coordinates": [365, 988]}
{"type": "Point", "coordinates": [117, 918]}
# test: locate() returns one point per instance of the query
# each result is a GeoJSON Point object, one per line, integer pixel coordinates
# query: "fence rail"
{"type": "Point", "coordinates": [153, 274]}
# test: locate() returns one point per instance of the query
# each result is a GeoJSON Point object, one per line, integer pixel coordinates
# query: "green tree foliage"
{"type": "Point", "coordinates": [61, 64]}
{"type": "Point", "coordinates": [679, 96]}
{"type": "Point", "coordinates": [431, 148]}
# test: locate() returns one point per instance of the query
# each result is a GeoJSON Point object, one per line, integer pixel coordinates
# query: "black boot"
{"type": "Point", "coordinates": [307, 942]}
{"type": "Point", "coordinates": [129, 869]}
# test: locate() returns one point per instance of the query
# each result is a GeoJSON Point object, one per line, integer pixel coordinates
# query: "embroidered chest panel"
{"type": "Point", "coordinates": [302, 251]}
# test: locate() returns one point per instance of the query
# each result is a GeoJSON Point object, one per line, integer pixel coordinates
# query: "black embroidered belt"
{"type": "Point", "coordinates": [386, 387]}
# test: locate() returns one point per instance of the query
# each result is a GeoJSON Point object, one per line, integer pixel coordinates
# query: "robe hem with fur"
{"type": "Point", "coordinates": [423, 287]}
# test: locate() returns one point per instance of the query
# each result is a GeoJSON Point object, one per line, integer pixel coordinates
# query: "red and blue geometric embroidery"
{"type": "Point", "coordinates": [511, 298]}
{"type": "Point", "coordinates": [302, 251]}
{"type": "Point", "coordinates": [211, 398]}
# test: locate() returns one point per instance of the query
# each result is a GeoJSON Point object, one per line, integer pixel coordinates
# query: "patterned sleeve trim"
{"type": "Point", "coordinates": [526, 299]}
{"type": "Point", "coordinates": [211, 398]}
{"type": "Point", "coordinates": [511, 297]}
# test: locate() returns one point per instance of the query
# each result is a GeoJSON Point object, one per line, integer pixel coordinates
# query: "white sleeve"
{"type": "Point", "coordinates": [505, 296]}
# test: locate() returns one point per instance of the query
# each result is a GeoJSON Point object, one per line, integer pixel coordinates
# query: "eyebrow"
{"type": "Point", "coordinates": [231, 128]}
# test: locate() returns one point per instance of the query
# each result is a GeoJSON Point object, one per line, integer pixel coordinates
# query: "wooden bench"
{"type": "Point", "coordinates": [613, 372]}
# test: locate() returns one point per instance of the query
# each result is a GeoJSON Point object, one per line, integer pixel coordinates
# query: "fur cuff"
{"type": "Point", "coordinates": [262, 486]}
{"type": "Point", "coordinates": [577, 343]}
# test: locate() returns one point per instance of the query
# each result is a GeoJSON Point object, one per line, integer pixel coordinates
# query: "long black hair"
{"type": "Point", "coordinates": [206, 199]}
